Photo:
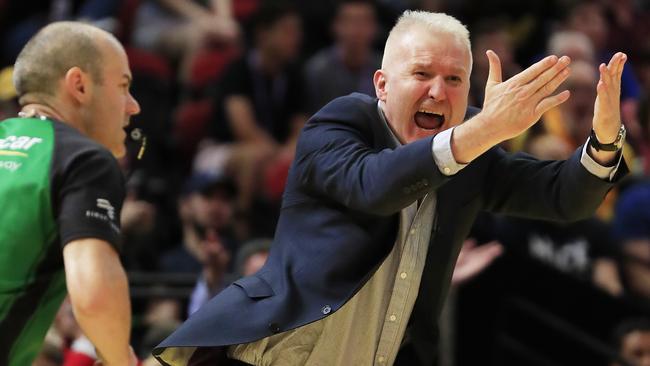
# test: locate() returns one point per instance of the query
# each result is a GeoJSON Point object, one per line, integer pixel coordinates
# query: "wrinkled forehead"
{"type": "Point", "coordinates": [422, 45]}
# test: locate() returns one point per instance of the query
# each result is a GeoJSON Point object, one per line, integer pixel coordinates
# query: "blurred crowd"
{"type": "Point", "coordinates": [226, 85]}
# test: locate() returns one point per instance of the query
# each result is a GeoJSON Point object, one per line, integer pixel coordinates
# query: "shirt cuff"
{"type": "Point", "coordinates": [602, 172]}
{"type": "Point", "coordinates": [442, 155]}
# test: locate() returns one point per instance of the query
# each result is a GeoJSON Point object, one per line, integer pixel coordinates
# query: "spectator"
{"type": "Point", "coordinates": [178, 29]}
{"type": "Point", "coordinates": [493, 35]}
{"type": "Point", "coordinates": [20, 20]}
{"type": "Point", "coordinates": [252, 256]}
{"type": "Point", "coordinates": [631, 229]}
{"type": "Point", "coordinates": [346, 66]}
{"type": "Point", "coordinates": [632, 341]}
{"type": "Point", "coordinates": [260, 104]}
{"type": "Point", "coordinates": [206, 211]}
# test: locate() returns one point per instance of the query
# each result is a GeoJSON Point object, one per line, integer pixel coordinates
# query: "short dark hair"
{"type": "Point", "coordinates": [52, 52]}
{"type": "Point", "coordinates": [340, 3]}
{"type": "Point", "coordinates": [270, 12]}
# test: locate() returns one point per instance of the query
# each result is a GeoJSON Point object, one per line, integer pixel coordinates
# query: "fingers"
{"type": "Point", "coordinates": [494, 74]}
{"type": "Point", "coordinates": [621, 63]}
{"type": "Point", "coordinates": [546, 83]}
{"type": "Point", "coordinates": [535, 70]}
{"type": "Point", "coordinates": [549, 80]}
{"type": "Point", "coordinates": [610, 75]}
{"type": "Point", "coordinates": [492, 250]}
{"type": "Point", "coordinates": [616, 63]}
{"type": "Point", "coordinates": [469, 243]}
{"type": "Point", "coordinates": [551, 102]}
{"type": "Point", "coordinates": [552, 80]}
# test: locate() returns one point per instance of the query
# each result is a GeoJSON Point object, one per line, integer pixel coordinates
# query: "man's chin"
{"type": "Point", "coordinates": [119, 152]}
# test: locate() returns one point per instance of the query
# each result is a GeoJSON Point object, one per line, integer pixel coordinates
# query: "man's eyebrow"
{"type": "Point", "coordinates": [424, 65]}
{"type": "Point", "coordinates": [420, 65]}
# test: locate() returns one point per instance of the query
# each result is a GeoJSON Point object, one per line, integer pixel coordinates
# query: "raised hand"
{"type": "Point", "coordinates": [512, 106]}
{"type": "Point", "coordinates": [607, 108]}
{"type": "Point", "coordinates": [473, 259]}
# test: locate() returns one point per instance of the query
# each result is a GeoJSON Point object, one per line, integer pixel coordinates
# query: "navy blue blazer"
{"type": "Point", "coordinates": [339, 220]}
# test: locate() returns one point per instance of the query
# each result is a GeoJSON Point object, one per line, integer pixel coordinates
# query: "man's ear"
{"type": "Point", "coordinates": [379, 79]}
{"type": "Point", "coordinates": [78, 85]}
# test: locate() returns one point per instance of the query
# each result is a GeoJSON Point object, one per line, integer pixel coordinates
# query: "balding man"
{"type": "Point", "coordinates": [61, 191]}
{"type": "Point", "coordinates": [382, 194]}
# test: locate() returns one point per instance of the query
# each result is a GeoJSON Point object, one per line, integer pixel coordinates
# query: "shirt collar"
{"type": "Point", "coordinates": [382, 116]}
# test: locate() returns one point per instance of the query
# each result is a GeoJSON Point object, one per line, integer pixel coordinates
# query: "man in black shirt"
{"type": "Point", "coordinates": [62, 191]}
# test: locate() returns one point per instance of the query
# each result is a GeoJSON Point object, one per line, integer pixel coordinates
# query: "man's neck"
{"type": "Point", "coordinates": [39, 110]}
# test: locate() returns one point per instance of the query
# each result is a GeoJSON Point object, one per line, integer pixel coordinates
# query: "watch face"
{"type": "Point", "coordinates": [621, 137]}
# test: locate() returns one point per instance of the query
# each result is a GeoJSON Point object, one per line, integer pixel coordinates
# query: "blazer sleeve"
{"type": "Point", "coordinates": [523, 186]}
{"type": "Point", "coordinates": [337, 157]}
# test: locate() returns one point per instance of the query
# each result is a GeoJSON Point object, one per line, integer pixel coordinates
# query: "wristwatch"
{"type": "Point", "coordinates": [614, 146]}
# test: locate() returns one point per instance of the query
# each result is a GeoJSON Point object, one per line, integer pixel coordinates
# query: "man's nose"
{"type": "Point", "coordinates": [133, 107]}
{"type": "Point", "coordinates": [437, 89]}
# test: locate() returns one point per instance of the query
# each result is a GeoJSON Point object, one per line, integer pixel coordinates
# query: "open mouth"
{"type": "Point", "coordinates": [429, 120]}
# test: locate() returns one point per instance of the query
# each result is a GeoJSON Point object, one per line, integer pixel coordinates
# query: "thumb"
{"type": "Point", "coordinates": [494, 75]}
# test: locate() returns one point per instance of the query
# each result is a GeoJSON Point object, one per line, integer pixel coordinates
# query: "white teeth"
{"type": "Point", "coordinates": [428, 112]}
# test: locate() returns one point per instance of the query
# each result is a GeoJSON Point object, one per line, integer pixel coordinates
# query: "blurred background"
{"type": "Point", "coordinates": [226, 85]}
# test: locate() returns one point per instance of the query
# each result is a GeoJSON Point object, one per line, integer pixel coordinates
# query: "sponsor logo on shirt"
{"type": "Point", "coordinates": [17, 145]}
{"type": "Point", "coordinates": [11, 166]}
{"type": "Point", "coordinates": [106, 205]}
{"type": "Point", "coordinates": [108, 216]}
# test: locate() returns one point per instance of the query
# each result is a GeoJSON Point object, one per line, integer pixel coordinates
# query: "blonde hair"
{"type": "Point", "coordinates": [436, 22]}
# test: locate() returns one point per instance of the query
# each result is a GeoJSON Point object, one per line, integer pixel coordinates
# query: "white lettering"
{"type": "Point", "coordinates": [4, 143]}
{"type": "Point", "coordinates": [10, 165]}
{"type": "Point", "coordinates": [19, 142]}
{"type": "Point", "coordinates": [106, 205]}
{"type": "Point", "coordinates": [102, 217]}
{"type": "Point", "coordinates": [32, 142]}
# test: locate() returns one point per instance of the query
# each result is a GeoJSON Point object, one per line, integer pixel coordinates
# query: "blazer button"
{"type": "Point", "coordinates": [326, 309]}
{"type": "Point", "coordinates": [274, 327]}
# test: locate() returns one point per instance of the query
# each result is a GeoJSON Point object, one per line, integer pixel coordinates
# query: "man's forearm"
{"type": "Point", "coordinates": [98, 289]}
{"type": "Point", "coordinates": [107, 321]}
{"type": "Point", "coordinates": [471, 139]}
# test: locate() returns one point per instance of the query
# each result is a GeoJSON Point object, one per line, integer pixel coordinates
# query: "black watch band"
{"type": "Point", "coordinates": [614, 146]}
